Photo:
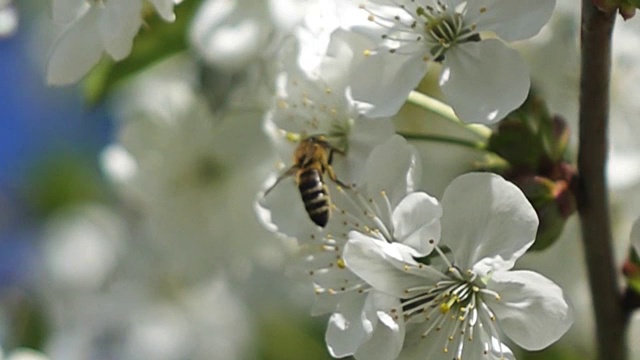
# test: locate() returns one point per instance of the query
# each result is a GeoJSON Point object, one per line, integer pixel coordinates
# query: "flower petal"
{"type": "Point", "coordinates": [430, 347]}
{"type": "Point", "coordinates": [393, 167]}
{"type": "Point", "coordinates": [119, 23]}
{"type": "Point", "coordinates": [165, 9]}
{"type": "Point", "coordinates": [381, 83]}
{"type": "Point", "coordinates": [532, 309]}
{"type": "Point", "coordinates": [76, 51]}
{"type": "Point", "coordinates": [511, 20]}
{"type": "Point", "coordinates": [349, 53]}
{"type": "Point", "coordinates": [484, 81]}
{"type": "Point", "coordinates": [380, 264]}
{"type": "Point", "coordinates": [387, 338]}
{"type": "Point", "coordinates": [420, 344]}
{"type": "Point", "coordinates": [416, 222]}
{"type": "Point", "coordinates": [347, 330]}
{"type": "Point", "coordinates": [65, 11]}
{"type": "Point", "coordinates": [487, 222]}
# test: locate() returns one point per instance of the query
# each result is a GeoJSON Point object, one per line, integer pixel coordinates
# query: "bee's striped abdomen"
{"type": "Point", "coordinates": [314, 196]}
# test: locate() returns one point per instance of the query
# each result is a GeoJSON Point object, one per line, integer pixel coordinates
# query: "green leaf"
{"type": "Point", "coordinates": [156, 40]}
{"type": "Point", "coordinates": [285, 337]}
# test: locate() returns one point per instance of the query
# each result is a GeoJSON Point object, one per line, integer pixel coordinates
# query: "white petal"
{"type": "Point", "coordinates": [416, 222]}
{"type": "Point", "coordinates": [511, 20]}
{"type": "Point", "coordinates": [381, 83]}
{"type": "Point", "coordinates": [65, 11]}
{"type": "Point", "coordinates": [365, 136]}
{"type": "Point", "coordinates": [76, 51]}
{"type": "Point", "coordinates": [432, 346]}
{"type": "Point", "coordinates": [379, 264]}
{"type": "Point", "coordinates": [487, 222]}
{"type": "Point", "coordinates": [165, 9]}
{"type": "Point", "coordinates": [388, 336]}
{"type": "Point", "coordinates": [635, 236]}
{"type": "Point", "coordinates": [345, 331]}
{"type": "Point", "coordinates": [532, 310]}
{"type": "Point", "coordinates": [420, 348]}
{"type": "Point", "coordinates": [230, 34]}
{"type": "Point", "coordinates": [393, 167]}
{"type": "Point", "coordinates": [484, 81]}
{"type": "Point", "coordinates": [25, 354]}
{"type": "Point", "coordinates": [119, 23]}
{"type": "Point", "coordinates": [282, 209]}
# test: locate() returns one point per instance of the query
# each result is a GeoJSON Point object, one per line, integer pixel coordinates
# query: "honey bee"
{"type": "Point", "coordinates": [311, 160]}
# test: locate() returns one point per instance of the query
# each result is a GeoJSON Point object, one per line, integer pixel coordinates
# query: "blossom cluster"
{"type": "Point", "coordinates": [403, 275]}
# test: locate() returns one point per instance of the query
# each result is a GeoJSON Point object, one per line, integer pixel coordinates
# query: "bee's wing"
{"type": "Point", "coordinates": [290, 172]}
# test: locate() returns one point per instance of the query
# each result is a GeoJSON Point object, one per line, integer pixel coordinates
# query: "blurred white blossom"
{"type": "Point", "coordinates": [23, 354]}
{"type": "Point", "coordinates": [191, 176]}
{"type": "Point", "coordinates": [92, 28]}
{"type": "Point", "coordinates": [8, 18]}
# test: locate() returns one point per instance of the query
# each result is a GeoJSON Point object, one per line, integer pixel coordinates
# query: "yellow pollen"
{"type": "Point", "coordinates": [367, 52]}
{"type": "Point", "coordinates": [446, 306]}
{"type": "Point", "coordinates": [341, 263]}
{"type": "Point", "coordinates": [292, 137]}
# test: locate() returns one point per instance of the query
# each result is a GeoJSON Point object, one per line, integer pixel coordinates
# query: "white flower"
{"type": "Point", "coordinates": [95, 27]}
{"type": "Point", "coordinates": [191, 175]}
{"type": "Point", "coordinates": [459, 306]}
{"type": "Point", "coordinates": [378, 206]}
{"type": "Point", "coordinates": [482, 79]}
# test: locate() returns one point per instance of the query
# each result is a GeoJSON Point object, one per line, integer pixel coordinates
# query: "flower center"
{"type": "Point", "coordinates": [413, 25]}
{"type": "Point", "coordinates": [444, 29]}
{"type": "Point", "coordinates": [453, 309]}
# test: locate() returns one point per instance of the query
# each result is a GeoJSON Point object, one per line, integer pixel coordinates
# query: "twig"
{"type": "Point", "coordinates": [591, 191]}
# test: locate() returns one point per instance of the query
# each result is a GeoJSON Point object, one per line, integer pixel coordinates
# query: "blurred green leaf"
{"type": "Point", "coordinates": [555, 352]}
{"type": "Point", "coordinates": [60, 180]}
{"type": "Point", "coordinates": [157, 40]}
{"type": "Point", "coordinates": [284, 338]}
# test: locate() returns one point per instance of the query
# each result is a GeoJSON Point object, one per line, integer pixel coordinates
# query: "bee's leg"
{"type": "Point", "coordinates": [334, 150]}
{"type": "Point", "coordinates": [290, 172]}
{"type": "Point", "coordinates": [332, 176]}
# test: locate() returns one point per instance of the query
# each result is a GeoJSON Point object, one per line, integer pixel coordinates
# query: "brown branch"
{"type": "Point", "coordinates": [593, 203]}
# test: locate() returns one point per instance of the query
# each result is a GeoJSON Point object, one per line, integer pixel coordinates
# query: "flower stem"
{"type": "Point", "coordinates": [439, 108]}
{"type": "Point", "coordinates": [476, 145]}
{"type": "Point", "coordinates": [591, 190]}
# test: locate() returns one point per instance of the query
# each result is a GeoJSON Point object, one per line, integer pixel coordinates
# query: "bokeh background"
{"type": "Point", "coordinates": [119, 241]}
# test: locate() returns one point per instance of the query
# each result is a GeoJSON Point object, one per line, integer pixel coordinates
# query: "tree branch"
{"type": "Point", "coordinates": [591, 192]}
